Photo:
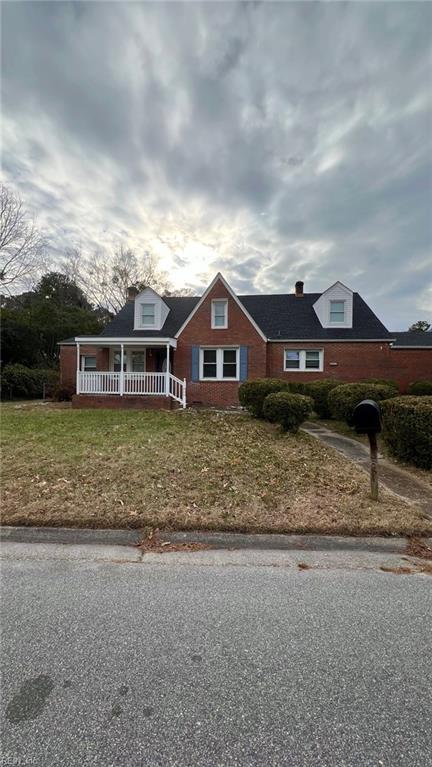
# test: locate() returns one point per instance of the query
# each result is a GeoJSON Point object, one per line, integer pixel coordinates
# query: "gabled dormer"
{"type": "Point", "coordinates": [334, 307]}
{"type": "Point", "coordinates": [151, 311]}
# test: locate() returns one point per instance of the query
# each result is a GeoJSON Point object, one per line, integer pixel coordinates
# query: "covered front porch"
{"type": "Point", "coordinates": [128, 368]}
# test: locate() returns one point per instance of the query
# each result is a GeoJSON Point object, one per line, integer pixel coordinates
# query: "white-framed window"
{"type": "Point", "coordinates": [148, 315]}
{"type": "Point", "coordinates": [138, 362]}
{"type": "Point", "coordinates": [337, 311]}
{"type": "Point", "coordinates": [219, 308]}
{"type": "Point", "coordinates": [219, 364]}
{"type": "Point", "coordinates": [306, 360]}
{"type": "Point", "coordinates": [88, 363]}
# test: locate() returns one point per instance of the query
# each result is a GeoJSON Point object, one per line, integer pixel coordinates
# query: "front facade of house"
{"type": "Point", "coordinates": [163, 352]}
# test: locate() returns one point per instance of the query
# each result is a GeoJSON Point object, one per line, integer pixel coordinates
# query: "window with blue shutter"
{"type": "Point", "coordinates": [243, 363]}
{"type": "Point", "coordinates": [195, 363]}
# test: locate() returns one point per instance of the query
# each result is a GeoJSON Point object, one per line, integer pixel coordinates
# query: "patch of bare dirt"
{"type": "Point", "coordinates": [418, 548]}
{"type": "Point", "coordinates": [152, 542]}
{"type": "Point", "coordinates": [414, 569]}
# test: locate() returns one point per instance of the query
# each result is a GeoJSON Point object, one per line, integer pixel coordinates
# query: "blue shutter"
{"type": "Point", "coordinates": [243, 363]}
{"type": "Point", "coordinates": [195, 363]}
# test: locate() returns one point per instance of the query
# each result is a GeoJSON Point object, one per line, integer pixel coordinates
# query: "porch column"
{"type": "Point", "coordinates": [121, 370]}
{"type": "Point", "coordinates": [167, 372]}
{"type": "Point", "coordinates": [78, 370]}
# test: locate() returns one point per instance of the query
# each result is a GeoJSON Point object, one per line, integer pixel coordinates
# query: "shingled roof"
{"type": "Point", "coordinates": [283, 316]}
{"type": "Point", "coordinates": [123, 323]}
{"type": "Point", "coordinates": [290, 317]}
{"type": "Point", "coordinates": [412, 340]}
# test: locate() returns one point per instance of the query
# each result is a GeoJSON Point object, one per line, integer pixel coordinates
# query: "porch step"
{"type": "Point", "coordinates": [126, 402]}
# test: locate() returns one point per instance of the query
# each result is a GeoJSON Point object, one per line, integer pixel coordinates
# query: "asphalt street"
{"type": "Point", "coordinates": [190, 662]}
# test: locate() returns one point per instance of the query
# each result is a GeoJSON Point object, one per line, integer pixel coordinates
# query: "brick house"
{"type": "Point", "coordinates": [165, 351]}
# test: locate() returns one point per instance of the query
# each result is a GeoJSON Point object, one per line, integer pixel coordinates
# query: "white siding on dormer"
{"type": "Point", "coordinates": [337, 292]}
{"type": "Point", "coordinates": [149, 296]}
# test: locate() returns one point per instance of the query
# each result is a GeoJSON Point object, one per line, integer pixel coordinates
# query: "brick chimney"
{"type": "Point", "coordinates": [299, 289]}
{"type": "Point", "coordinates": [132, 293]}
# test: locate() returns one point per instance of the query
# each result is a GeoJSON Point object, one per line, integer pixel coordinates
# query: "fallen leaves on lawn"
{"type": "Point", "coordinates": [418, 548]}
{"type": "Point", "coordinates": [208, 471]}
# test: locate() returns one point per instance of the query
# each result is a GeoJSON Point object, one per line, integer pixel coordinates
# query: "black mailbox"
{"type": "Point", "coordinates": [367, 417]}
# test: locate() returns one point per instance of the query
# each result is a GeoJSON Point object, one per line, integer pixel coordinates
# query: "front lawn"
{"type": "Point", "coordinates": [184, 470]}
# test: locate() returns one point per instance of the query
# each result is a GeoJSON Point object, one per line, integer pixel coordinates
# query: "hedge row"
{"type": "Point", "coordinates": [277, 401]}
{"type": "Point", "coordinates": [21, 382]}
{"type": "Point", "coordinates": [421, 388]}
{"type": "Point", "coordinates": [407, 430]}
{"type": "Point", "coordinates": [343, 398]}
{"type": "Point", "coordinates": [253, 393]}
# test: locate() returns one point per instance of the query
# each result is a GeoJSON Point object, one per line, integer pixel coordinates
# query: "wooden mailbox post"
{"type": "Point", "coordinates": [367, 420]}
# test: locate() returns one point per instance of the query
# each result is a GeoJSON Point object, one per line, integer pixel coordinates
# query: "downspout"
{"type": "Point", "coordinates": [78, 370]}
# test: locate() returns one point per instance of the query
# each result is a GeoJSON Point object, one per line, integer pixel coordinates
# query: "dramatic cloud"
{"type": "Point", "coordinates": [274, 142]}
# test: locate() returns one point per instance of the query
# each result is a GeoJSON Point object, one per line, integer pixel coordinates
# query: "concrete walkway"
{"type": "Point", "coordinates": [392, 477]}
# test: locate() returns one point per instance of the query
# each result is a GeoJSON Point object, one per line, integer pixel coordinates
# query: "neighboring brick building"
{"type": "Point", "coordinates": [166, 351]}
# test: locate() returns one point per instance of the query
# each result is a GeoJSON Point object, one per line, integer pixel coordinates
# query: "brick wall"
{"type": "Point", "coordinates": [198, 332]}
{"type": "Point", "coordinates": [68, 362]}
{"type": "Point", "coordinates": [350, 361]}
{"type": "Point", "coordinates": [356, 361]}
{"type": "Point", "coordinates": [127, 402]}
{"type": "Point", "coordinates": [411, 365]}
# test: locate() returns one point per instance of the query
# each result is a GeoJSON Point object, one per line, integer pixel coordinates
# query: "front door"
{"type": "Point", "coordinates": [160, 360]}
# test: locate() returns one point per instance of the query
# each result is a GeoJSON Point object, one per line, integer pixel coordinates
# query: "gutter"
{"type": "Point", "coordinates": [331, 340]}
{"type": "Point", "coordinates": [405, 348]}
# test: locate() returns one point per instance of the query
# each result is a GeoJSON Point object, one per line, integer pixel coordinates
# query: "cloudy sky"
{"type": "Point", "coordinates": [271, 141]}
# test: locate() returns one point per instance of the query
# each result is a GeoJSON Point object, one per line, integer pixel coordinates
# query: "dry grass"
{"type": "Point", "coordinates": [415, 569]}
{"type": "Point", "coordinates": [184, 470]}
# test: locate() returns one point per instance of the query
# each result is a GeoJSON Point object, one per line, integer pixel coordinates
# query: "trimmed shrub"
{"type": "Point", "coordinates": [343, 399]}
{"type": "Point", "coordinates": [21, 382]}
{"type": "Point", "coordinates": [290, 410]}
{"type": "Point", "coordinates": [408, 429]}
{"type": "Point", "coordinates": [383, 381]}
{"type": "Point", "coordinates": [253, 393]}
{"type": "Point", "coordinates": [297, 387]}
{"type": "Point", "coordinates": [421, 388]}
{"type": "Point", "coordinates": [319, 391]}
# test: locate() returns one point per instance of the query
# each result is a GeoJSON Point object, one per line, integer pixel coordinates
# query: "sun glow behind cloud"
{"type": "Point", "coordinates": [272, 142]}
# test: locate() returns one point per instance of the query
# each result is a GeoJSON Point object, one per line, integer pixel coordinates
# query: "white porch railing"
{"type": "Point", "coordinates": [144, 383]}
{"type": "Point", "coordinates": [98, 383]}
{"type": "Point", "coordinates": [177, 389]}
{"type": "Point", "coordinates": [147, 384]}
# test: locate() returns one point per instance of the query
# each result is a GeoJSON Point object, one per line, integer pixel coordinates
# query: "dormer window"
{"type": "Point", "coordinates": [148, 313]}
{"type": "Point", "coordinates": [219, 313]}
{"type": "Point", "coordinates": [337, 311]}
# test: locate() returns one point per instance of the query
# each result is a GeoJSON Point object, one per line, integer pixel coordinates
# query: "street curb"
{"type": "Point", "coordinates": [65, 535]}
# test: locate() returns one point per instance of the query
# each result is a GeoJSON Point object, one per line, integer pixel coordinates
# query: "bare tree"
{"type": "Point", "coordinates": [105, 280]}
{"type": "Point", "coordinates": [21, 244]}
